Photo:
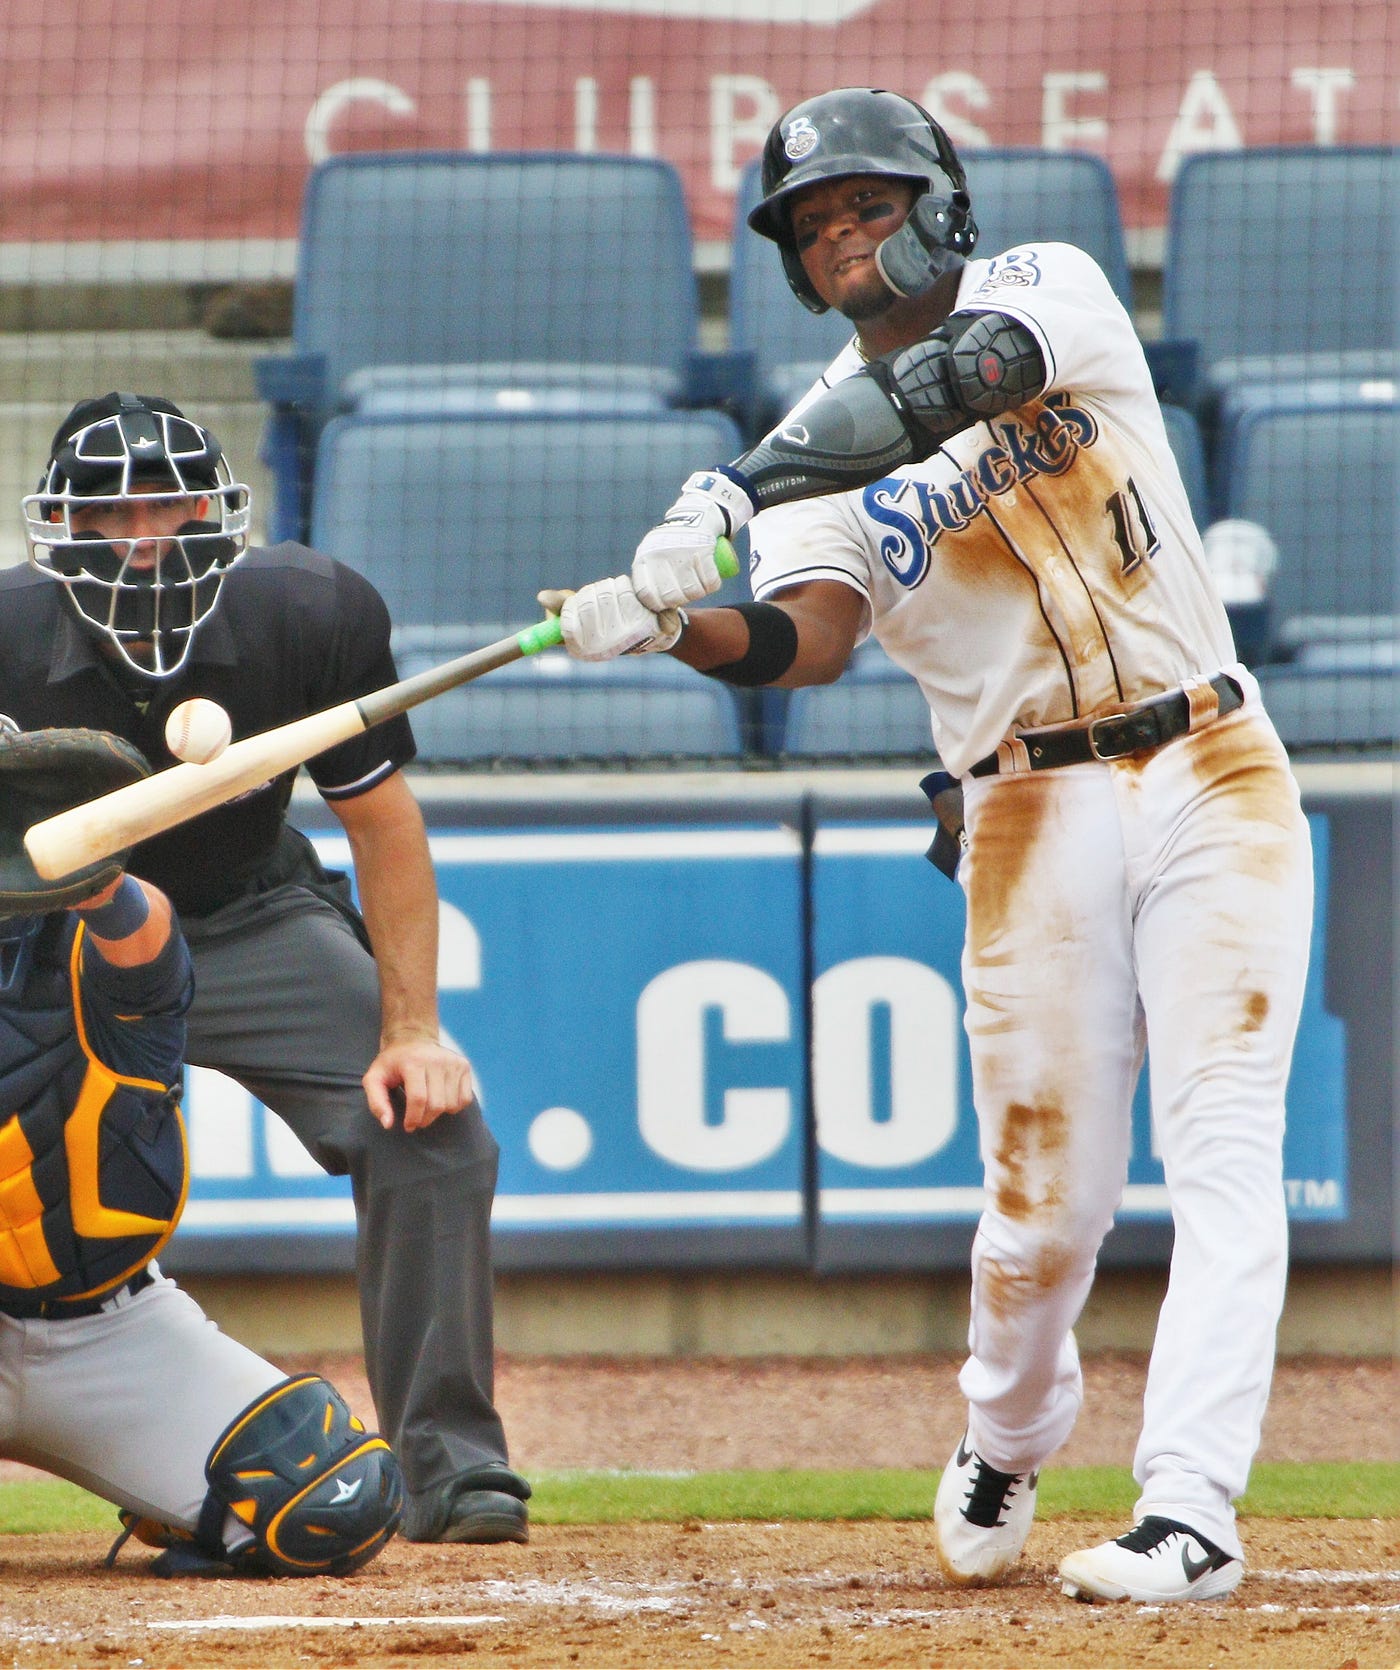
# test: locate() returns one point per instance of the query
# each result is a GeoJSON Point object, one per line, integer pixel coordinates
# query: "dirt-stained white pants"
{"type": "Point", "coordinates": [1164, 898]}
{"type": "Point", "coordinates": [127, 1403]}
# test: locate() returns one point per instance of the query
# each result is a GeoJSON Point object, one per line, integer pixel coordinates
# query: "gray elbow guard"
{"type": "Point", "coordinates": [974, 366]}
{"type": "Point", "coordinates": [855, 432]}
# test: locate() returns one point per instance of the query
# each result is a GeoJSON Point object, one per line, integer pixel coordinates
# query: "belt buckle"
{"type": "Point", "coordinates": [1093, 730]}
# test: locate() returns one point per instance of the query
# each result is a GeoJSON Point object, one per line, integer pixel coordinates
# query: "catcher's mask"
{"type": "Point", "coordinates": [868, 130]}
{"type": "Point", "coordinates": [109, 452]}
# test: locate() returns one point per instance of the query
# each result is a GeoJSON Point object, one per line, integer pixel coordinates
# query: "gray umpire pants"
{"type": "Point", "coordinates": [287, 1003]}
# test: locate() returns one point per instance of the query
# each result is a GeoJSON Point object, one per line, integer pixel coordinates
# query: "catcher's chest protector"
{"type": "Point", "coordinates": [93, 1164]}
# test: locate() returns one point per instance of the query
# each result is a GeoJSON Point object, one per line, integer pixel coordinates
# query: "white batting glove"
{"type": "Point", "coordinates": [675, 562]}
{"type": "Point", "coordinates": [605, 620]}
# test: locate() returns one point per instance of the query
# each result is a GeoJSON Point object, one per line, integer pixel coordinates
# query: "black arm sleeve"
{"type": "Point", "coordinates": [973, 366]}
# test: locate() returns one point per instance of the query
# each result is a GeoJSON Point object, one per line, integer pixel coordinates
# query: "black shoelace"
{"type": "Point", "coordinates": [986, 1501]}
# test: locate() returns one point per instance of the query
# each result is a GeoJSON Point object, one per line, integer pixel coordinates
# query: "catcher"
{"type": "Point", "coordinates": [110, 1375]}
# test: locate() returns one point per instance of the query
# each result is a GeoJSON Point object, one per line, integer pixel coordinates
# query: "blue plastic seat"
{"type": "Point", "coordinates": [1021, 195]}
{"type": "Point", "coordinates": [461, 520]}
{"type": "Point", "coordinates": [461, 274]}
{"type": "Point", "coordinates": [1326, 708]}
{"type": "Point", "coordinates": [874, 709]}
{"type": "Point", "coordinates": [551, 707]}
{"type": "Point", "coordinates": [1184, 436]}
{"type": "Point", "coordinates": [1018, 196]}
{"type": "Point", "coordinates": [1320, 476]}
{"type": "Point", "coordinates": [1373, 388]}
{"type": "Point", "coordinates": [1281, 262]}
{"type": "Point", "coordinates": [494, 389]}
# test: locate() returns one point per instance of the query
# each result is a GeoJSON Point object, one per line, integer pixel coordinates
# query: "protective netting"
{"type": "Point", "coordinates": [464, 288]}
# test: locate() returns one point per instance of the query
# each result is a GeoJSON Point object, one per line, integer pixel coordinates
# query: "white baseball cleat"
{"type": "Point", "coordinates": [981, 1518]}
{"type": "Point", "coordinates": [1158, 1560]}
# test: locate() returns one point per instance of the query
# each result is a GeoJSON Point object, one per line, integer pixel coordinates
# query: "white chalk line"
{"type": "Point", "coordinates": [1306, 1576]}
{"type": "Point", "coordinates": [853, 1619]}
{"type": "Point", "coordinates": [1358, 1606]}
{"type": "Point", "coordinates": [295, 1620]}
{"type": "Point", "coordinates": [620, 1598]}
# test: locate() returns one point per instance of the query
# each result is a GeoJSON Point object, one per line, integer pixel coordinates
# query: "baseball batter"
{"type": "Point", "coordinates": [110, 1375]}
{"type": "Point", "coordinates": [982, 479]}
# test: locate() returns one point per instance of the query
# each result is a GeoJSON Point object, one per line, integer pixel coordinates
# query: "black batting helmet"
{"type": "Point", "coordinates": [867, 130]}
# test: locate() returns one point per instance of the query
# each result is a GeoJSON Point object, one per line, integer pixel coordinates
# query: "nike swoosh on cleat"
{"type": "Point", "coordinates": [964, 1456]}
{"type": "Point", "coordinates": [1193, 1568]}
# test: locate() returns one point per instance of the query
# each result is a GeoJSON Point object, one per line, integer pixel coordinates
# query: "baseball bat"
{"type": "Point", "coordinates": [96, 829]}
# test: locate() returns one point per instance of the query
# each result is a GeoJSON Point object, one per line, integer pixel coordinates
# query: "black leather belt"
{"type": "Point", "coordinates": [1112, 736]}
{"type": "Point", "coordinates": [67, 1310]}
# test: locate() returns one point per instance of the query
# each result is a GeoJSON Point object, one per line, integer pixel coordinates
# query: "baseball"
{"type": "Point", "coordinates": [198, 731]}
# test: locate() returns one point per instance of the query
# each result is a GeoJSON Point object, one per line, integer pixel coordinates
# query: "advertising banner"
{"type": "Point", "coordinates": [186, 122]}
{"type": "Point", "coordinates": [632, 1004]}
{"type": "Point", "coordinates": [636, 1005]}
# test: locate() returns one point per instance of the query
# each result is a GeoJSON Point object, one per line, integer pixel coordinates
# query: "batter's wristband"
{"type": "Point", "coordinates": [123, 913]}
{"type": "Point", "coordinates": [772, 647]}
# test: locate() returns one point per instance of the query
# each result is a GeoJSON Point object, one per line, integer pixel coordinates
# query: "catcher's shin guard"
{"type": "Point", "coordinates": [319, 1493]}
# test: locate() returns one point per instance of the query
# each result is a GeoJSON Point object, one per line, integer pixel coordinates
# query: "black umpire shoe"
{"type": "Point", "coordinates": [485, 1505]}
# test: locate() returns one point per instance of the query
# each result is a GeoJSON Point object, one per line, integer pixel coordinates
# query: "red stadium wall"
{"type": "Point", "coordinates": [169, 120]}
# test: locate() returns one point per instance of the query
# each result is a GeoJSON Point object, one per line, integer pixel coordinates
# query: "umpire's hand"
{"type": "Point", "coordinates": [419, 1077]}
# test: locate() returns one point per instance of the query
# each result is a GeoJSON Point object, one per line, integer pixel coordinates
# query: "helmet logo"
{"type": "Point", "coordinates": [801, 139]}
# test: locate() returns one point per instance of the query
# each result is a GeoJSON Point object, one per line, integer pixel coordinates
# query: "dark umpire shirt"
{"type": "Point", "coordinates": [293, 632]}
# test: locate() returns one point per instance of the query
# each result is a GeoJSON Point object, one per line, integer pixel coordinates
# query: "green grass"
{"type": "Point", "coordinates": [1278, 1490]}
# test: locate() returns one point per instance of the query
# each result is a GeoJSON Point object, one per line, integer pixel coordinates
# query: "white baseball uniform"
{"type": "Point", "coordinates": [1042, 567]}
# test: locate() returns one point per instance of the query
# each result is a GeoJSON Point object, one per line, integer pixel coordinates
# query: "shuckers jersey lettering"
{"type": "Point", "coordinates": [1043, 565]}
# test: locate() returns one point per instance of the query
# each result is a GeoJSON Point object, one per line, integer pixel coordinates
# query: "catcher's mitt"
{"type": "Point", "coordinates": [42, 773]}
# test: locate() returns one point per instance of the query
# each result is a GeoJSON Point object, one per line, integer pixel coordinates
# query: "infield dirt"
{"type": "Point", "coordinates": [1318, 1593]}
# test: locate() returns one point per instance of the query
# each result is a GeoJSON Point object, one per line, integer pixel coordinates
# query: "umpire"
{"type": "Point", "coordinates": [141, 592]}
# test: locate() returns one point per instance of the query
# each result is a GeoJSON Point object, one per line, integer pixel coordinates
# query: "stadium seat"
{"type": "Point", "coordinates": [1319, 708]}
{"type": "Point", "coordinates": [874, 709]}
{"type": "Point", "coordinates": [1017, 195]}
{"type": "Point", "coordinates": [1298, 389]}
{"type": "Point", "coordinates": [1184, 435]}
{"type": "Point", "coordinates": [478, 282]}
{"type": "Point", "coordinates": [460, 520]}
{"type": "Point", "coordinates": [1319, 475]}
{"type": "Point", "coordinates": [1281, 263]}
{"type": "Point", "coordinates": [553, 708]}
{"type": "Point", "coordinates": [1022, 195]}
{"type": "Point", "coordinates": [465, 518]}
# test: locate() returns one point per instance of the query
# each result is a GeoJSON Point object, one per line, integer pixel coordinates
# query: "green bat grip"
{"type": "Point", "coordinates": [547, 634]}
{"type": "Point", "coordinates": [726, 558]}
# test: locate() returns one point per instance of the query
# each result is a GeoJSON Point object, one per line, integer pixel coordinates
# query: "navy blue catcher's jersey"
{"type": "Point", "coordinates": [93, 1160]}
